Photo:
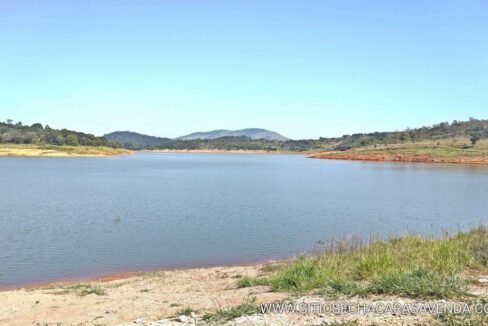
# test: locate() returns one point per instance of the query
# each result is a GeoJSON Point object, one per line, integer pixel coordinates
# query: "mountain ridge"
{"type": "Point", "coordinates": [253, 133]}
{"type": "Point", "coordinates": [135, 138]}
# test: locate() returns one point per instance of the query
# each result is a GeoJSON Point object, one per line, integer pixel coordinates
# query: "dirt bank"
{"type": "Point", "coordinates": [400, 157]}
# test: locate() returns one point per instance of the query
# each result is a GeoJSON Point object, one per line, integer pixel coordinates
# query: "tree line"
{"type": "Point", "coordinates": [16, 133]}
{"type": "Point", "coordinates": [473, 129]}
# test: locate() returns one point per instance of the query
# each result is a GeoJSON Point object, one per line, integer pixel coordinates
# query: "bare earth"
{"type": "Point", "coordinates": [154, 298]}
{"type": "Point", "coordinates": [400, 157]}
{"type": "Point", "coordinates": [150, 296]}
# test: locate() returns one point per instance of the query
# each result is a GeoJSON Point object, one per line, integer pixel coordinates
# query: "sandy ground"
{"type": "Point", "coordinates": [83, 151]}
{"type": "Point", "coordinates": [155, 298]}
{"type": "Point", "coordinates": [147, 296]}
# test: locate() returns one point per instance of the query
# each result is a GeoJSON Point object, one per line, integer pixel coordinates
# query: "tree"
{"type": "Point", "coordinates": [474, 138]}
{"type": "Point", "coordinates": [72, 140]}
{"type": "Point", "coordinates": [37, 126]}
{"type": "Point", "coordinates": [10, 121]}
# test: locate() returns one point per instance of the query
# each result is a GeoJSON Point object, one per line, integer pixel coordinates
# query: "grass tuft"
{"type": "Point", "coordinates": [248, 281]}
{"type": "Point", "coordinates": [248, 307]}
{"type": "Point", "coordinates": [185, 311]}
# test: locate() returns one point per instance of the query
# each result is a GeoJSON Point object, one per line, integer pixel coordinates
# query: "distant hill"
{"type": "Point", "coordinates": [135, 140]}
{"type": "Point", "coordinates": [253, 133]}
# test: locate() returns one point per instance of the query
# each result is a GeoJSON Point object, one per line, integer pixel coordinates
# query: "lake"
{"type": "Point", "coordinates": [79, 217]}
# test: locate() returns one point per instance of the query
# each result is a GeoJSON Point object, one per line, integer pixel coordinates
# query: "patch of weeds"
{"type": "Point", "coordinates": [302, 275]}
{"type": "Point", "coordinates": [409, 265]}
{"type": "Point", "coordinates": [145, 290]}
{"type": "Point", "coordinates": [248, 281]}
{"type": "Point", "coordinates": [185, 311]}
{"type": "Point", "coordinates": [338, 286]}
{"type": "Point", "coordinates": [175, 305]}
{"type": "Point", "coordinates": [419, 283]}
{"type": "Point", "coordinates": [248, 307]}
{"type": "Point", "coordinates": [479, 250]}
{"type": "Point", "coordinates": [374, 265]}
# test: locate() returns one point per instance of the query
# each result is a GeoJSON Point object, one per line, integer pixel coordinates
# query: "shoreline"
{"type": "Point", "coordinates": [123, 298]}
{"type": "Point", "coordinates": [165, 297]}
{"type": "Point", "coordinates": [401, 158]}
{"type": "Point", "coordinates": [218, 151]}
{"type": "Point", "coordinates": [237, 294]}
{"type": "Point", "coordinates": [125, 274]}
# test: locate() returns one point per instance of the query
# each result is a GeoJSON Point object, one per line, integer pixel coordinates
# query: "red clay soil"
{"type": "Point", "coordinates": [400, 157]}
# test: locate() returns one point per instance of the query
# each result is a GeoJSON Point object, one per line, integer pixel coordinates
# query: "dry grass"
{"type": "Point", "coordinates": [58, 151]}
{"type": "Point", "coordinates": [443, 151]}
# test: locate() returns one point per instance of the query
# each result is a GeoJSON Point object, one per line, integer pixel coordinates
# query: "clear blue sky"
{"type": "Point", "coordinates": [302, 68]}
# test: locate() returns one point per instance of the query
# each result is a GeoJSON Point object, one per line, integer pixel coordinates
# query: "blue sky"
{"type": "Point", "coordinates": [303, 68]}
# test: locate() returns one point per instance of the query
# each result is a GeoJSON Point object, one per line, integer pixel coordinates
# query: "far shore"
{"type": "Point", "coordinates": [41, 150]}
{"type": "Point", "coordinates": [223, 151]}
{"type": "Point", "coordinates": [444, 151]}
{"type": "Point", "coordinates": [425, 152]}
{"type": "Point", "coordinates": [400, 157]}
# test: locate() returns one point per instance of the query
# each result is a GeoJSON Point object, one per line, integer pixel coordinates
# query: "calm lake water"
{"type": "Point", "coordinates": [77, 217]}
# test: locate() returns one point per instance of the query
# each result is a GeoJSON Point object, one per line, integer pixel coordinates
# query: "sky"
{"type": "Point", "coordinates": [305, 69]}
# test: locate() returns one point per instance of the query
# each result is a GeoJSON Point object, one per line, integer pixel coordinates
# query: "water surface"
{"type": "Point", "coordinates": [76, 217]}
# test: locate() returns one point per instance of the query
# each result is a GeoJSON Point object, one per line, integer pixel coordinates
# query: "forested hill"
{"type": "Point", "coordinates": [477, 128]}
{"type": "Point", "coordinates": [130, 139]}
{"type": "Point", "coordinates": [17, 133]}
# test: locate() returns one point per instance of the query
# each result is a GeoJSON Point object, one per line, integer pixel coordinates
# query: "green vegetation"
{"type": "Point", "coordinates": [449, 150]}
{"type": "Point", "coordinates": [17, 133]}
{"type": "Point", "coordinates": [409, 266]}
{"type": "Point", "coordinates": [457, 134]}
{"type": "Point", "coordinates": [475, 137]}
{"type": "Point", "coordinates": [247, 281]}
{"type": "Point", "coordinates": [248, 307]}
{"type": "Point", "coordinates": [38, 140]}
{"type": "Point", "coordinates": [186, 312]}
{"type": "Point", "coordinates": [442, 131]}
